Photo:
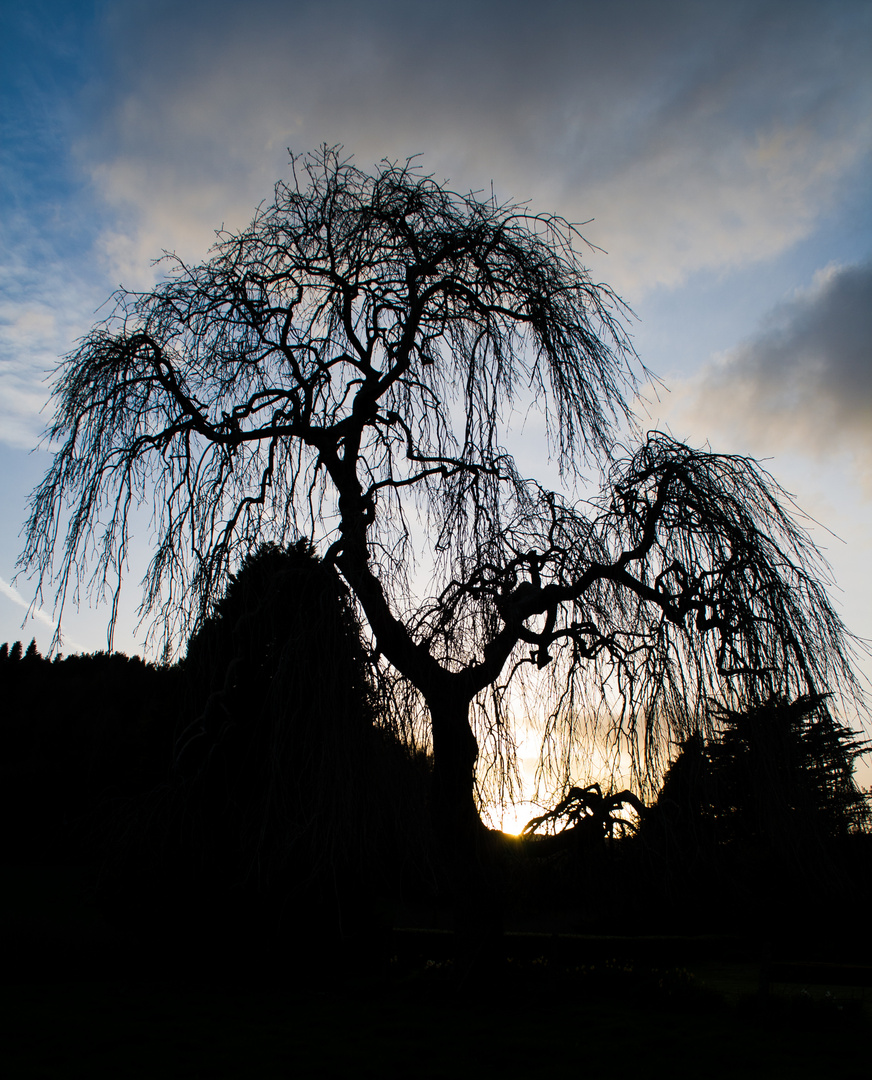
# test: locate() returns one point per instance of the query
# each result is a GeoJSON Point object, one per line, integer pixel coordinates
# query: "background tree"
{"type": "Point", "coordinates": [288, 762]}
{"type": "Point", "coordinates": [782, 775]}
{"type": "Point", "coordinates": [763, 812]}
{"type": "Point", "coordinates": [342, 370]}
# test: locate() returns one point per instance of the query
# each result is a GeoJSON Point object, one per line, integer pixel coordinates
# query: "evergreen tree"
{"type": "Point", "coordinates": [285, 790]}
{"type": "Point", "coordinates": [783, 773]}
{"type": "Point", "coordinates": [776, 783]}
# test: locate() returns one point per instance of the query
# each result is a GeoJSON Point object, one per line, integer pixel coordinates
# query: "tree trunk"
{"type": "Point", "coordinates": [462, 838]}
{"type": "Point", "coordinates": [464, 841]}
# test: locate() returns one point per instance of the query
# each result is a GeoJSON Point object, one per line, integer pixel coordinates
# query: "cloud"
{"type": "Point", "coordinates": [803, 382]}
{"type": "Point", "coordinates": [37, 325]}
{"type": "Point", "coordinates": [27, 333]}
{"type": "Point", "coordinates": [698, 136]}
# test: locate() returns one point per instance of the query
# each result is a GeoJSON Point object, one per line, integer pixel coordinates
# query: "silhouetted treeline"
{"type": "Point", "coordinates": [77, 732]}
{"type": "Point", "coordinates": [259, 786]}
{"type": "Point", "coordinates": [254, 784]}
{"type": "Point", "coordinates": [760, 829]}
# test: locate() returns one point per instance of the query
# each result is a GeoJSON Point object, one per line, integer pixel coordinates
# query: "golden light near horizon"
{"type": "Point", "coordinates": [512, 818]}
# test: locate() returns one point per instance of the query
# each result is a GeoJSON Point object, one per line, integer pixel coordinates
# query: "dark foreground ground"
{"type": "Point", "coordinates": [190, 1029]}
{"type": "Point", "coordinates": [79, 999]}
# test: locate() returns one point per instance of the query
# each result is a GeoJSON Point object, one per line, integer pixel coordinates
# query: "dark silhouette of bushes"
{"type": "Point", "coordinates": [289, 799]}
{"type": "Point", "coordinates": [258, 782]}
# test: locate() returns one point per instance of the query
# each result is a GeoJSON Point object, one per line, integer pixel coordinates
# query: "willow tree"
{"type": "Point", "coordinates": [342, 370]}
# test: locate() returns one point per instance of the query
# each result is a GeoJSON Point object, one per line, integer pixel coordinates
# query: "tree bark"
{"type": "Point", "coordinates": [463, 839]}
{"type": "Point", "coordinates": [464, 848]}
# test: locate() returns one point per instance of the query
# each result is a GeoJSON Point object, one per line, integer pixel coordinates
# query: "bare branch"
{"type": "Point", "coordinates": [339, 370]}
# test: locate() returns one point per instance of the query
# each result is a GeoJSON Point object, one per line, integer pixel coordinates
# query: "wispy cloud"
{"type": "Point", "coordinates": [15, 596]}
{"type": "Point", "coordinates": [34, 332]}
{"type": "Point", "coordinates": [697, 136]}
{"type": "Point", "coordinates": [48, 299]}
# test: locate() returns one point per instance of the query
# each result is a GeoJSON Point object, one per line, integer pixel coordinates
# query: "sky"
{"type": "Point", "coordinates": [718, 152]}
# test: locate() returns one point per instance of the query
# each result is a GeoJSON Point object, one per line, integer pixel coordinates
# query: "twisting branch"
{"type": "Point", "coordinates": [339, 370]}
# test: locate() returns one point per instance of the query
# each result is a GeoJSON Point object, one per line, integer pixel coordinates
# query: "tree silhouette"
{"type": "Point", "coordinates": [764, 810]}
{"type": "Point", "coordinates": [281, 801]}
{"type": "Point", "coordinates": [342, 370]}
{"type": "Point", "coordinates": [783, 774]}
{"type": "Point", "coordinates": [584, 818]}
{"type": "Point", "coordinates": [280, 751]}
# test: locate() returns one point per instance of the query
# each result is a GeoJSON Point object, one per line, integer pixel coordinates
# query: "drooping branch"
{"type": "Point", "coordinates": [340, 370]}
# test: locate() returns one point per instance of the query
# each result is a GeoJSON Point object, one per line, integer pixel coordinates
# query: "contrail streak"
{"type": "Point", "coordinates": [15, 596]}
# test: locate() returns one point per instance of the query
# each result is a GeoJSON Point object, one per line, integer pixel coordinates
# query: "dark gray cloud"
{"type": "Point", "coordinates": [819, 346]}
{"type": "Point", "coordinates": [804, 382]}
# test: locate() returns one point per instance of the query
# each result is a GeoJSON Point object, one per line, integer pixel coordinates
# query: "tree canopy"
{"type": "Point", "coordinates": [344, 370]}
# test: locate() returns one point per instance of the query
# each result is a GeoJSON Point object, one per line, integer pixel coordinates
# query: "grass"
{"type": "Point", "coordinates": [584, 1009]}
{"type": "Point", "coordinates": [415, 1023]}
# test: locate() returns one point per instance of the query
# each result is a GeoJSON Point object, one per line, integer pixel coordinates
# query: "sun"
{"type": "Point", "coordinates": [511, 818]}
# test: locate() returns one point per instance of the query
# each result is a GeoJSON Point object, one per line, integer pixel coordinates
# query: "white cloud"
{"type": "Point", "coordinates": [15, 596]}
{"type": "Point", "coordinates": [34, 333]}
